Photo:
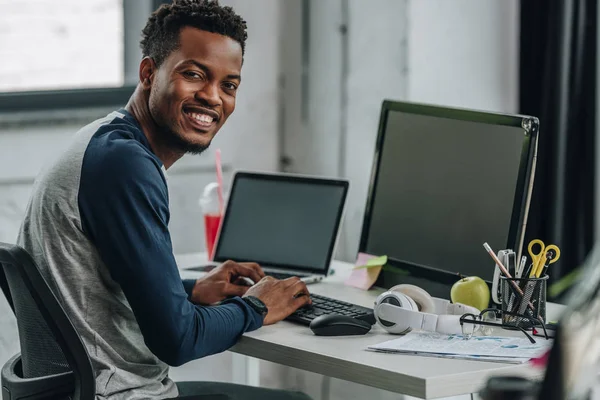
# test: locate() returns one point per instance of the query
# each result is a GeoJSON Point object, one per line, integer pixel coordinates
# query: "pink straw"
{"type": "Point", "coordinates": [219, 179]}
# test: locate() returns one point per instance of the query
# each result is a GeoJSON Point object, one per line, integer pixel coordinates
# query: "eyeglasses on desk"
{"type": "Point", "coordinates": [491, 317]}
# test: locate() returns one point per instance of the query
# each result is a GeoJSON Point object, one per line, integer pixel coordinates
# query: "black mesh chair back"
{"type": "Point", "coordinates": [5, 289]}
{"type": "Point", "coordinates": [53, 358]}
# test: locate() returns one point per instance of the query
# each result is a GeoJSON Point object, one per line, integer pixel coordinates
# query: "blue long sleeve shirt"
{"type": "Point", "coordinates": [124, 205]}
{"type": "Point", "coordinates": [97, 226]}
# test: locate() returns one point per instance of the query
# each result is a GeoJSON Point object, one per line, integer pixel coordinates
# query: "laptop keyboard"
{"type": "Point", "coordinates": [322, 305]}
{"type": "Point", "coordinates": [283, 275]}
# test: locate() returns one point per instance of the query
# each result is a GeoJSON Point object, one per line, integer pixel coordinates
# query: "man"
{"type": "Point", "coordinates": [97, 221]}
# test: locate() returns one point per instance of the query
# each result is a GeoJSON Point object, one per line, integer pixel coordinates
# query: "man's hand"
{"type": "Point", "coordinates": [224, 281]}
{"type": "Point", "coordinates": [282, 297]}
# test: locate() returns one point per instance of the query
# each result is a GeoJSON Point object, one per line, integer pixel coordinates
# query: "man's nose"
{"type": "Point", "coordinates": [209, 94]}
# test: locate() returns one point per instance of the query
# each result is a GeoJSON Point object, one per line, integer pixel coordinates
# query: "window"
{"type": "Point", "coordinates": [56, 45]}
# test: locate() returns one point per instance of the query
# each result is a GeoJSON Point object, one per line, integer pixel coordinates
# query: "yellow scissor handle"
{"type": "Point", "coordinates": [554, 249]}
{"type": "Point", "coordinates": [537, 271]}
{"type": "Point", "coordinates": [536, 256]}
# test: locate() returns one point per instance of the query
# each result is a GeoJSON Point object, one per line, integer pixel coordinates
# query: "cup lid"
{"type": "Point", "coordinates": [210, 189]}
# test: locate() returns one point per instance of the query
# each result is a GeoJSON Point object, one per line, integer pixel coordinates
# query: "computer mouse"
{"type": "Point", "coordinates": [338, 325]}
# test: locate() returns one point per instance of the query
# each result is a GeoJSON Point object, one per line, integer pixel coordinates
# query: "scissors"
{"type": "Point", "coordinates": [539, 259]}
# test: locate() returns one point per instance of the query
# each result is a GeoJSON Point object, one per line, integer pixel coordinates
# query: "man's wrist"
{"type": "Point", "coordinates": [257, 305]}
{"type": "Point", "coordinates": [188, 286]}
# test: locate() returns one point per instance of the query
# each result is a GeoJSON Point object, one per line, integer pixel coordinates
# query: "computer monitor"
{"type": "Point", "coordinates": [444, 181]}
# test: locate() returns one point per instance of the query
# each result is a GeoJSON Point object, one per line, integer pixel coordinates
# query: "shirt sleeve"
{"type": "Point", "coordinates": [123, 201]}
{"type": "Point", "coordinates": [188, 286]}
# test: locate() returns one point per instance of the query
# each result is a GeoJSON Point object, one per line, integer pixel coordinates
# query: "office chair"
{"type": "Point", "coordinates": [5, 289]}
{"type": "Point", "coordinates": [53, 363]}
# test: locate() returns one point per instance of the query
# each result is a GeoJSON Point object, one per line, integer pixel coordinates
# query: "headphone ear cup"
{"type": "Point", "coordinates": [420, 296]}
{"type": "Point", "coordinates": [411, 304]}
{"type": "Point", "coordinates": [394, 299]}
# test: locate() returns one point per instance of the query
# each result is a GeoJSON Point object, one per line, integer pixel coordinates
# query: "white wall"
{"type": "Point", "coordinates": [378, 58]}
{"type": "Point", "coordinates": [456, 53]}
{"type": "Point", "coordinates": [464, 53]}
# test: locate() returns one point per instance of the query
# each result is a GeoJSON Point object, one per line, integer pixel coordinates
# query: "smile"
{"type": "Point", "coordinates": [199, 120]}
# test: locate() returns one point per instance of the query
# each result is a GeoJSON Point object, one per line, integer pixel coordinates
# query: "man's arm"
{"type": "Point", "coordinates": [123, 202]}
{"type": "Point", "coordinates": [188, 286]}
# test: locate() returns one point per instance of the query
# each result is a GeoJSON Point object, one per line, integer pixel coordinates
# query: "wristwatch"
{"type": "Point", "coordinates": [256, 304]}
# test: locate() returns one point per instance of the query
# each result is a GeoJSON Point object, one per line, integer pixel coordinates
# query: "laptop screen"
{"type": "Point", "coordinates": [282, 220]}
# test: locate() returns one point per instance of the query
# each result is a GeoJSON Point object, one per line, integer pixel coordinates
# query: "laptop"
{"type": "Point", "coordinates": [287, 223]}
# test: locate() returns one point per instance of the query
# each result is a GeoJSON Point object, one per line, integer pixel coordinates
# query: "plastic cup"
{"type": "Point", "coordinates": [209, 203]}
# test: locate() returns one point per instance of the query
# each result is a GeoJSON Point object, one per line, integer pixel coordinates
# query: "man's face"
{"type": "Point", "coordinates": [193, 91]}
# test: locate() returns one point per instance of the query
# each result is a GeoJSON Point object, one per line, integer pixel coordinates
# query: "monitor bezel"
{"type": "Point", "coordinates": [530, 127]}
{"type": "Point", "coordinates": [288, 177]}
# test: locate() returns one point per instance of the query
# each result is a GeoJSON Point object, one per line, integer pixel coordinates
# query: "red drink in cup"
{"type": "Point", "coordinates": [211, 227]}
{"type": "Point", "coordinates": [211, 209]}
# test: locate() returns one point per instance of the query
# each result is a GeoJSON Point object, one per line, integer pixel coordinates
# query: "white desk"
{"type": "Point", "coordinates": [345, 358]}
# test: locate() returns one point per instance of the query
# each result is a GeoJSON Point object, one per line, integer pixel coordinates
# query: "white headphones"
{"type": "Point", "coordinates": [406, 307]}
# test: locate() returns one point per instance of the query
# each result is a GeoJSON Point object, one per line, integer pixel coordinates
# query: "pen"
{"type": "Point", "coordinates": [528, 271]}
{"type": "Point", "coordinates": [521, 267]}
{"type": "Point", "coordinates": [505, 272]}
{"type": "Point", "coordinates": [549, 256]}
{"type": "Point", "coordinates": [511, 258]}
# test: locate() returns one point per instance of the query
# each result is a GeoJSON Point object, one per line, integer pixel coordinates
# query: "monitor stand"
{"type": "Point", "coordinates": [436, 282]}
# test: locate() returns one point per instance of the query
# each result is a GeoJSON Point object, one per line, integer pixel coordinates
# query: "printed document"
{"type": "Point", "coordinates": [514, 350]}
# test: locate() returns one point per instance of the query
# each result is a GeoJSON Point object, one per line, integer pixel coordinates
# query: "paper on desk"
{"type": "Point", "coordinates": [503, 360]}
{"type": "Point", "coordinates": [366, 271]}
{"type": "Point", "coordinates": [481, 348]}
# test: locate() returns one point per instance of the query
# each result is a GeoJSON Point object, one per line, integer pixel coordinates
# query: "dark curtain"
{"type": "Point", "coordinates": [558, 85]}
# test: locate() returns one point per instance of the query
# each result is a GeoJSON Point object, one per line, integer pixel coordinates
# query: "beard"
{"type": "Point", "coordinates": [172, 139]}
{"type": "Point", "coordinates": [169, 132]}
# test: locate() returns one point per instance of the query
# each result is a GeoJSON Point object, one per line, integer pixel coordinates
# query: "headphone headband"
{"type": "Point", "coordinates": [406, 307]}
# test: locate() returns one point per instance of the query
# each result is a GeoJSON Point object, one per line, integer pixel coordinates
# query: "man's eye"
{"type": "Point", "coordinates": [230, 86]}
{"type": "Point", "coordinates": [192, 74]}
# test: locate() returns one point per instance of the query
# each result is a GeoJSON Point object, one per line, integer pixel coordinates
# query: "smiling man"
{"type": "Point", "coordinates": [97, 220]}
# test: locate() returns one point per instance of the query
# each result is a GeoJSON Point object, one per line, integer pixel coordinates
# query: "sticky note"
{"type": "Point", "coordinates": [366, 270]}
{"type": "Point", "coordinates": [372, 262]}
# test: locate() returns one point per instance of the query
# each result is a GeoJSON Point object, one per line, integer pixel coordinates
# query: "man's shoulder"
{"type": "Point", "coordinates": [118, 148]}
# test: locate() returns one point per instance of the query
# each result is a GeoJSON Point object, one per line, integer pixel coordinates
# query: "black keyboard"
{"type": "Point", "coordinates": [322, 305]}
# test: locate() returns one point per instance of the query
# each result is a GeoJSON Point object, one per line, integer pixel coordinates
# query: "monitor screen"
{"type": "Point", "coordinates": [443, 185]}
{"type": "Point", "coordinates": [282, 220]}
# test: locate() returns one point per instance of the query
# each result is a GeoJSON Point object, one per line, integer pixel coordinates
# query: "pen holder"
{"type": "Point", "coordinates": [519, 311]}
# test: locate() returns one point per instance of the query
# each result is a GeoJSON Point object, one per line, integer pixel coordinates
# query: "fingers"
{"type": "Point", "coordinates": [301, 301]}
{"type": "Point", "coordinates": [244, 270]}
{"type": "Point", "coordinates": [255, 267]}
{"type": "Point", "coordinates": [299, 289]}
{"type": "Point", "coordinates": [242, 281]}
{"type": "Point", "coordinates": [235, 290]}
{"type": "Point", "coordinates": [288, 282]}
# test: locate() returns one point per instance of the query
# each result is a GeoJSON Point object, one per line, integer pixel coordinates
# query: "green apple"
{"type": "Point", "coordinates": [472, 291]}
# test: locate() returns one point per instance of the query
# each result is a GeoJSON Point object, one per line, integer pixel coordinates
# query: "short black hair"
{"type": "Point", "coordinates": [161, 33]}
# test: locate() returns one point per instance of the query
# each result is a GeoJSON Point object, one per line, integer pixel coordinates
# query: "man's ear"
{"type": "Point", "coordinates": [147, 71]}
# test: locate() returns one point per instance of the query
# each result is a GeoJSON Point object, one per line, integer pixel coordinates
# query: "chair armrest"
{"type": "Point", "coordinates": [14, 386]}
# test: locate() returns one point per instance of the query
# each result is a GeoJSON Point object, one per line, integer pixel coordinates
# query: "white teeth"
{"type": "Point", "coordinates": [202, 117]}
